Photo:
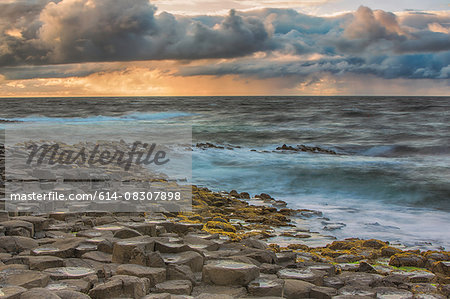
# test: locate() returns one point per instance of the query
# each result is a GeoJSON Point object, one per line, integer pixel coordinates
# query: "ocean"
{"type": "Point", "coordinates": [389, 180]}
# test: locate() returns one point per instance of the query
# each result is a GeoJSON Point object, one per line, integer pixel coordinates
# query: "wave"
{"type": "Point", "coordinates": [135, 116]}
{"type": "Point", "coordinates": [404, 150]}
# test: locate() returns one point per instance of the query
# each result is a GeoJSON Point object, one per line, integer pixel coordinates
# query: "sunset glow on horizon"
{"type": "Point", "coordinates": [247, 47]}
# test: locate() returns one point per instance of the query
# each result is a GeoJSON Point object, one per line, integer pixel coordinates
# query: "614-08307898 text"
{"type": "Point", "coordinates": [102, 196]}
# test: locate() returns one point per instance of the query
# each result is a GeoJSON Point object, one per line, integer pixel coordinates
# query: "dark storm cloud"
{"type": "Point", "coordinates": [109, 30]}
{"type": "Point", "coordinates": [44, 32]}
{"type": "Point", "coordinates": [411, 66]}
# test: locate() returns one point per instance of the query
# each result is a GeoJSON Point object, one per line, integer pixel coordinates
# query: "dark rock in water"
{"type": "Point", "coordinates": [175, 287]}
{"type": "Point", "coordinates": [264, 196]}
{"type": "Point", "coordinates": [333, 226]}
{"type": "Point", "coordinates": [244, 195]}
{"type": "Point", "coordinates": [234, 193]}
{"type": "Point", "coordinates": [389, 251]}
{"type": "Point", "coordinates": [304, 148]}
{"type": "Point", "coordinates": [2, 121]}
{"type": "Point", "coordinates": [225, 273]}
{"type": "Point", "coordinates": [208, 145]}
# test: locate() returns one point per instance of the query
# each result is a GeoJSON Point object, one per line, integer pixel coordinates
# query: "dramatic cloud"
{"type": "Point", "coordinates": [77, 38]}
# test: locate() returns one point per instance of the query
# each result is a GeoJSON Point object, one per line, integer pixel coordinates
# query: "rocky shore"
{"type": "Point", "coordinates": [223, 249]}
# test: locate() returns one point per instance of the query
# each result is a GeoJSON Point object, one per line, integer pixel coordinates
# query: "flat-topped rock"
{"type": "Point", "coordinates": [93, 233]}
{"type": "Point", "coordinates": [175, 287]}
{"type": "Point", "coordinates": [44, 262]}
{"type": "Point", "coordinates": [179, 227]}
{"type": "Point", "coordinates": [359, 278]}
{"type": "Point", "coordinates": [167, 247]}
{"type": "Point", "coordinates": [199, 243]}
{"type": "Point", "coordinates": [126, 233]}
{"type": "Point", "coordinates": [227, 272]}
{"type": "Point", "coordinates": [98, 256]}
{"type": "Point", "coordinates": [315, 277]}
{"type": "Point", "coordinates": [24, 278]}
{"type": "Point", "coordinates": [69, 294]}
{"type": "Point", "coordinates": [78, 285]}
{"type": "Point", "coordinates": [263, 287]}
{"type": "Point", "coordinates": [218, 291]}
{"type": "Point", "coordinates": [108, 227]}
{"type": "Point", "coordinates": [11, 292]}
{"type": "Point", "coordinates": [121, 286]}
{"type": "Point", "coordinates": [145, 228]}
{"type": "Point", "coordinates": [18, 228]}
{"type": "Point", "coordinates": [387, 293]}
{"type": "Point", "coordinates": [69, 272]}
{"type": "Point", "coordinates": [180, 272]}
{"type": "Point", "coordinates": [294, 289]}
{"type": "Point", "coordinates": [124, 251]}
{"type": "Point", "coordinates": [155, 275]}
{"type": "Point", "coordinates": [358, 290]}
{"type": "Point", "coordinates": [39, 223]}
{"type": "Point", "coordinates": [63, 248]}
{"type": "Point", "coordinates": [189, 258]}
{"type": "Point", "coordinates": [40, 293]}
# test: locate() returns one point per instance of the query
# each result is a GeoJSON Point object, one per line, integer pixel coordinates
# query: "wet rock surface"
{"type": "Point", "coordinates": [226, 248]}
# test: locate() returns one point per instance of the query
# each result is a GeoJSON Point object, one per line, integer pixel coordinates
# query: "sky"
{"type": "Point", "coordinates": [228, 47]}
